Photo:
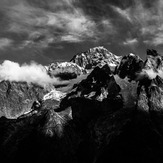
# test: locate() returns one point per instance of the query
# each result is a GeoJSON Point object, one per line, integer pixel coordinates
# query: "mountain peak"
{"type": "Point", "coordinates": [97, 56]}
{"type": "Point", "coordinates": [154, 61]}
{"type": "Point", "coordinates": [152, 52]}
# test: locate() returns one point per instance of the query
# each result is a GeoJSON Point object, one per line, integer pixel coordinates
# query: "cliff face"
{"type": "Point", "coordinates": [16, 98]}
{"type": "Point", "coordinates": [129, 66]}
{"type": "Point", "coordinates": [106, 117]}
{"type": "Point", "coordinates": [154, 61]}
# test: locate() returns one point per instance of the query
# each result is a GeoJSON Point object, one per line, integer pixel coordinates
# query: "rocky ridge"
{"type": "Point", "coordinates": [82, 62]}
{"type": "Point", "coordinates": [65, 70]}
{"type": "Point", "coordinates": [97, 56]}
{"type": "Point", "coordinates": [17, 102]}
{"type": "Point", "coordinates": [108, 117]}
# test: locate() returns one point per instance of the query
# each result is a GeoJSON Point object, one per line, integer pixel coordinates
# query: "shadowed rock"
{"type": "Point", "coordinates": [129, 67]}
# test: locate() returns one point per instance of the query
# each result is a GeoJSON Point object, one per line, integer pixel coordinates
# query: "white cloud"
{"type": "Point", "coordinates": [5, 42]}
{"type": "Point", "coordinates": [66, 23]}
{"type": "Point", "coordinates": [147, 21]}
{"type": "Point", "coordinates": [130, 41]}
{"type": "Point", "coordinates": [76, 23]}
{"type": "Point", "coordinates": [30, 73]}
{"type": "Point", "coordinates": [124, 13]}
{"type": "Point", "coordinates": [108, 26]}
{"type": "Point", "coordinates": [151, 22]}
{"type": "Point", "coordinates": [71, 38]}
{"type": "Point", "coordinates": [156, 40]}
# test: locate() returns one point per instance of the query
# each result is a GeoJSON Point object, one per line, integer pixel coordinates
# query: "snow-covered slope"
{"type": "Point", "coordinates": [65, 70]}
{"type": "Point", "coordinates": [54, 95]}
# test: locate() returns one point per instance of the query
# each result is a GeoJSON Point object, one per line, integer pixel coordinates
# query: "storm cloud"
{"type": "Point", "coordinates": [76, 25]}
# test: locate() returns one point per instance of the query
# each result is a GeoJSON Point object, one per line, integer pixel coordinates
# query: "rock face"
{"type": "Point", "coordinates": [154, 61]}
{"type": "Point", "coordinates": [129, 66]}
{"type": "Point", "coordinates": [150, 95]}
{"type": "Point", "coordinates": [104, 118]}
{"type": "Point", "coordinates": [95, 86]}
{"type": "Point", "coordinates": [16, 98]}
{"type": "Point", "coordinates": [97, 56]}
{"type": "Point", "coordinates": [65, 70]}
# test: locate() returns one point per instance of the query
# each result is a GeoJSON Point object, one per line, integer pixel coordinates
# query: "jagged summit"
{"type": "Point", "coordinates": [99, 85]}
{"type": "Point", "coordinates": [129, 66]}
{"type": "Point", "coordinates": [152, 52]}
{"type": "Point", "coordinates": [96, 56]}
{"type": "Point", "coordinates": [80, 63]}
{"type": "Point", "coordinates": [154, 61]}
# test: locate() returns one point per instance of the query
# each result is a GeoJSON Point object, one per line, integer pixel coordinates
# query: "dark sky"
{"type": "Point", "coordinates": [50, 30]}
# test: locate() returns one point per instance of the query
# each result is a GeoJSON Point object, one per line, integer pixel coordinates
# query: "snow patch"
{"type": "Point", "coordinates": [54, 94]}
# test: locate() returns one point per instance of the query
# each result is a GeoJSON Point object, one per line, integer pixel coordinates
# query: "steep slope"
{"type": "Point", "coordinates": [133, 67]}
{"type": "Point", "coordinates": [65, 70]}
{"type": "Point", "coordinates": [80, 63]}
{"type": "Point", "coordinates": [16, 98]}
{"type": "Point", "coordinates": [150, 95]}
{"type": "Point", "coordinates": [154, 61]}
{"type": "Point", "coordinates": [99, 86]}
{"type": "Point", "coordinates": [129, 66]}
{"type": "Point", "coordinates": [96, 56]}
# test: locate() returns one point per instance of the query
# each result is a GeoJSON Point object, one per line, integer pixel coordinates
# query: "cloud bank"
{"type": "Point", "coordinates": [30, 73]}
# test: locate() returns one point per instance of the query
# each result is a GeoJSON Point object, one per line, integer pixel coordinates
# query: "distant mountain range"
{"type": "Point", "coordinates": [109, 111]}
{"type": "Point", "coordinates": [82, 62]}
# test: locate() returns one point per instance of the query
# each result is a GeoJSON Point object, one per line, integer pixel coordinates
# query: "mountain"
{"type": "Point", "coordinates": [107, 117]}
{"type": "Point", "coordinates": [129, 66]}
{"type": "Point", "coordinates": [97, 56]}
{"type": "Point", "coordinates": [65, 70]}
{"type": "Point", "coordinates": [154, 61]}
{"type": "Point", "coordinates": [81, 63]}
{"type": "Point", "coordinates": [17, 98]}
{"type": "Point", "coordinates": [96, 85]}
{"type": "Point", "coordinates": [150, 95]}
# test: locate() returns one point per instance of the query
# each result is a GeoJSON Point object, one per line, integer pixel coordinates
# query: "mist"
{"type": "Point", "coordinates": [151, 74]}
{"type": "Point", "coordinates": [30, 73]}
